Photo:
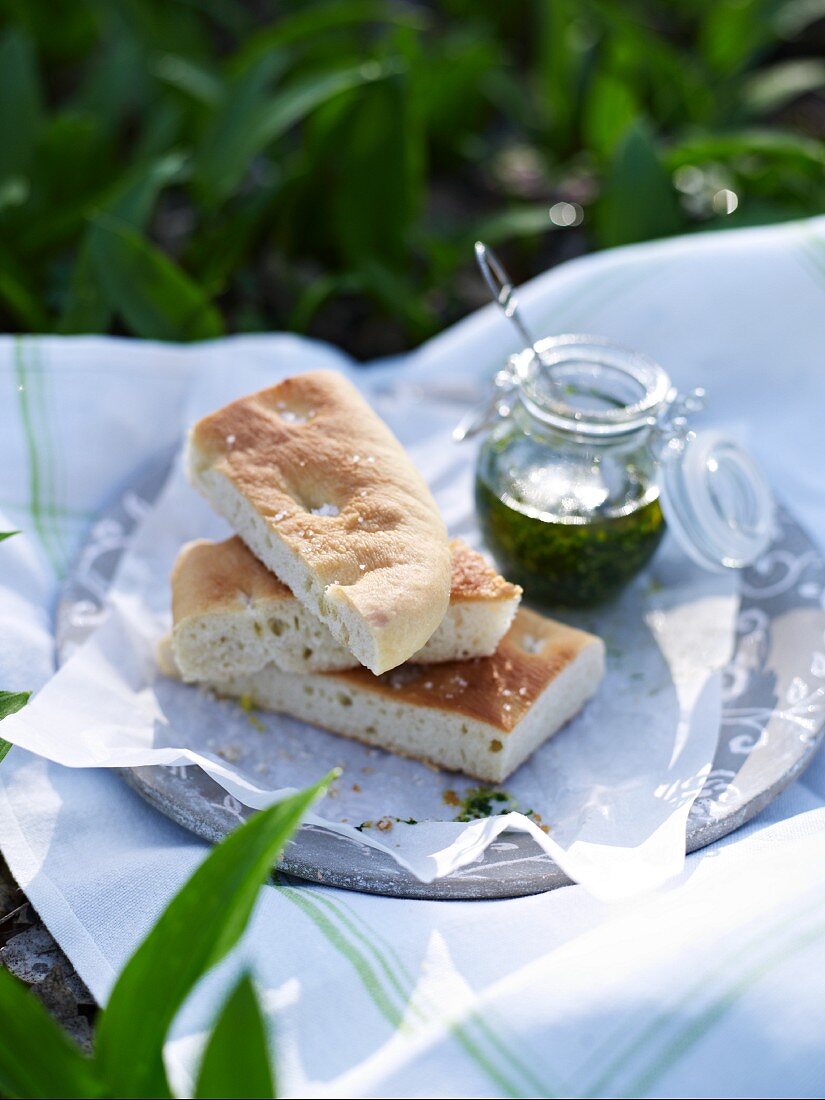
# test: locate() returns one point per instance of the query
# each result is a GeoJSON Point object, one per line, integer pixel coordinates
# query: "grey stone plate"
{"type": "Point", "coordinates": [772, 720]}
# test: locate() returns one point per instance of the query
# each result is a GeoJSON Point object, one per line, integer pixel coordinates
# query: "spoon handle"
{"type": "Point", "coordinates": [502, 291]}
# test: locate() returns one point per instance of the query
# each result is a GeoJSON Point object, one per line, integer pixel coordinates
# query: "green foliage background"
{"type": "Point", "coordinates": [177, 169]}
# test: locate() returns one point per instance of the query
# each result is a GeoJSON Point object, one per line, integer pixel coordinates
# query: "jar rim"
{"type": "Point", "coordinates": [575, 351]}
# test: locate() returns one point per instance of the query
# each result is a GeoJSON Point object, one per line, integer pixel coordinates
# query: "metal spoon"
{"type": "Point", "coordinates": [503, 294]}
{"type": "Point", "coordinates": [502, 291]}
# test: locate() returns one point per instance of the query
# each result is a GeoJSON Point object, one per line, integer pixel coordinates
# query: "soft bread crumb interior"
{"type": "Point", "coordinates": [436, 734]}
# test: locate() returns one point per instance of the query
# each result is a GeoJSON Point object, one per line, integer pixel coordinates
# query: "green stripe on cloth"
{"type": "Point", "coordinates": [691, 1035]}
{"type": "Point", "coordinates": [493, 1037]}
{"type": "Point", "coordinates": [328, 914]}
{"type": "Point", "coordinates": [355, 958]}
{"type": "Point", "coordinates": [40, 480]}
{"type": "Point", "coordinates": [38, 376]}
{"type": "Point", "coordinates": [606, 1084]}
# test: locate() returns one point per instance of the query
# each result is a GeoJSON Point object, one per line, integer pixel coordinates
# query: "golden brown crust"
{"type": "Point", "coordinates": [335, 489]}
{"type": "Point", "coordinates": [341, 456]}
{"type": "Point", "coordinates": [498, 690]}
{"type": "Point", "coordinates": [473, 578]}
{"type": "Point", "coordinates": [211, 577]}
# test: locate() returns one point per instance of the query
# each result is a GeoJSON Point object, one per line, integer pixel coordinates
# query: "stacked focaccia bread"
{"type": "Point", "coordinates": [342, 602]}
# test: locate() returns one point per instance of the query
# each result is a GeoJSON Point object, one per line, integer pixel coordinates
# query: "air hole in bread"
{"type": "Point", "coordinates": [307, 653]}
{"type": "Point", "coordinates": [344, 699]}
{"type": "Point", "coordinates": [496, 745]}
{"type": "Point", "coordinates": [277, 627]}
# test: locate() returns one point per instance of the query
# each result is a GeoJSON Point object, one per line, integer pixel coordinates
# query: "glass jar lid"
{"type": "Point", "coordinates": [716, 501]}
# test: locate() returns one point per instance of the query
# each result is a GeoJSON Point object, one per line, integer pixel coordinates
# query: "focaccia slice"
{"type": "Point", "coordinates": [230, 615]}
{"type": "Point", "coordinates": [323, 494]}
{"type": "Point", "coordinates": [483, 717]}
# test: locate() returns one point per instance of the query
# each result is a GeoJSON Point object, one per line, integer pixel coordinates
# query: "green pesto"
{"type": "Point", "coordinates": [565, 564]}
{"type": "Point", "coordinates": [484, 802]}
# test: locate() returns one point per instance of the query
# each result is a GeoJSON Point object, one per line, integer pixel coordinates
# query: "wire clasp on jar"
{"type": "Point", "coordinates": [671, 424]}
{"type": "Point", "coordinates": [497, 406]}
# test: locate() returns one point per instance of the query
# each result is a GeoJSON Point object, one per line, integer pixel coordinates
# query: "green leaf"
{"type": "Point", "coordinates": [193, 80]}
{"type": "Point", "coordinates": [7, 535]}
{"type": "Point", "coordinates": [10, 703]}
{"type": "Point", "coordinates": [772, 88]}
{"type": "Point", "coordinates": [236, 1061]}
{"type": "Point", "coordinates": [36, 1058]}
{"type": "Point", "coordinates": [531, 220]}
{"type": "Point", "coordinates": [21, 301]}
{"type": "Point", "coordinates": [223, 153]}
{"type": "Point", "coordinates": [115, 80]}
{"type": "Point", "coordinates": [86, 307]}
{"type": "Point", "coordinates": [794, 16]}
{"type": "Point", "coordinates": [248, 125]}
{"type": "Point", "coordinates": [312, 23]}
{"type": "Point", "coordinates": [72, 157]}
{"type": "Point", "coordinates": [564, 46]}
{"type": "Point", "coordinates": [610, 108]}
{"type": "Point", "coordinates": [155, 298]}
{"type": "Point", "coordinates": [733, 32]}
{"type": "Point", "coordinates": [639, 202]}
{"type": "Point", "coordinates": [373, 192]}
{"type": "Point", "coordinates": [774, 144]}
{"type": "Point", "coordinates": [20, 103]}
{"type": "Point", "coordinates": [313, 297]}
{"type": "Point", "coordinates": [202, 923]}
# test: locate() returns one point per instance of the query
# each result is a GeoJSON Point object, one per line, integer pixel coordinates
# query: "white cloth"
{"type": "Point", "coordinates": [615, 788]}
{"type": "Point", "coordinates": [712, 987]}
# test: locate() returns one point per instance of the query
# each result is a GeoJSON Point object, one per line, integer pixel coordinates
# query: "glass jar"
{"type": "Point", "coordinates": [589, 454]}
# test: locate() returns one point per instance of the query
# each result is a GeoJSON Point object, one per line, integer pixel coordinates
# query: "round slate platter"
{"type": "Point", "coordinates": [753, 762]}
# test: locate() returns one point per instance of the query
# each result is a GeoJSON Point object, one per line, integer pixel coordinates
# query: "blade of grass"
{"type": "Point", "coordinates": [86, 307]}
{"type": "Point", "coordinates": [36, 1058]}
{"type": "Point", "coordinates": [313, 23]}
{"type": "Point", "coordinates": [639, 202]}
{"type": "Point", "coordinates": [220, 165]}
{"type": "Point", "coordinates": [21, 301]}
{"type": "Point", "coordinates": [155, 298]}
{"type": "Point", "coordinates": [236, 1061]}
{"type": "Point", "coordinates": [197, 929]}
{"type": "Point", "coordinates": [20, 102]}
{"type": "Point", "coordinates": [193, 80]}
{"type": "Point", "coordinates": [10, 701]}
